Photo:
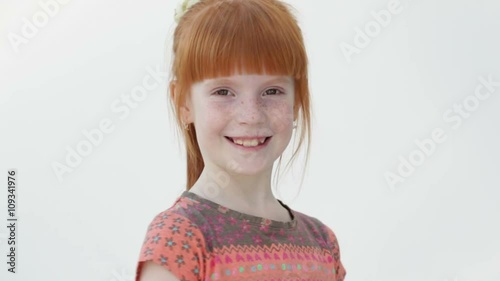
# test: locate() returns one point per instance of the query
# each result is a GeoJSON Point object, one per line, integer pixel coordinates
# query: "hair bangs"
{"type": "Point", "coordinates": [229, 38]}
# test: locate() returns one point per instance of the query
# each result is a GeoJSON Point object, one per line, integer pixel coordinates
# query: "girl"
{"type": "Point", "coordinates": [240, 86]}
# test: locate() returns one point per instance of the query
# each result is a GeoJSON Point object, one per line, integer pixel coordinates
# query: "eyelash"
{"type": "Point", "coordinates": [279, 92]}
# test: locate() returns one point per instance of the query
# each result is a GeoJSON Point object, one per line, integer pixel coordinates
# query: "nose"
{"type": "Point", "coordinates": [250, 111]}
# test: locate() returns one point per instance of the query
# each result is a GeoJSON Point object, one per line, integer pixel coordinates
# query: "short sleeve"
{"type": "Point", "coordinates": [175, 243]}
{"type": "Point", "coordinates": [334, 245]}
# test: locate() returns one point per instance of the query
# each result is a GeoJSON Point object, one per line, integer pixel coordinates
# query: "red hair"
{"type": "Point", "coordinates": [216, 37]}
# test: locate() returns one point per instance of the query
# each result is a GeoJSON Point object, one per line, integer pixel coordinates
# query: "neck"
{"type": "Point", "coordinates": [233, 189]}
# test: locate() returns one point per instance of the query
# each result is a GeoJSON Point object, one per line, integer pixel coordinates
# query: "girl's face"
{"type": "Point", "coordinates": [233, 115]}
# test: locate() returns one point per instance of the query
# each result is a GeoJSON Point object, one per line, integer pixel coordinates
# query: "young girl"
{"type": "Point", "coordinates": [240, 86]}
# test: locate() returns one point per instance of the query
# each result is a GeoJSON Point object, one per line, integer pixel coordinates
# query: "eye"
{"type": "Point", "coordinates": [273, 92]}
{"type": "Point", "coordinates": [221, 92]}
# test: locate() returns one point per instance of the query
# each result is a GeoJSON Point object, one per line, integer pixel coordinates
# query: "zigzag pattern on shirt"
{"type": "Point", "coordinates": [245, 253]}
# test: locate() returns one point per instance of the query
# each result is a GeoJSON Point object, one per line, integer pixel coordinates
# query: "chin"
{"type": "Point", "coordinates": [249, 169]}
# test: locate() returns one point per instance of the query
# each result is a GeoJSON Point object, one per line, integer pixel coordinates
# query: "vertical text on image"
{"type": "Point", "coordinates": [12, 201]}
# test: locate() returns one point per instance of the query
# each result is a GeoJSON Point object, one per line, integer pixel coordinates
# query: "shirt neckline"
{"type": "Point", "coordinates": [261, 221]}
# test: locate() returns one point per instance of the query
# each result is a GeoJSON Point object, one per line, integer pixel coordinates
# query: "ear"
{"type": "Point", "coordinates": [172, 89]}
{"type": "Point", "coordinates": [186, 111]}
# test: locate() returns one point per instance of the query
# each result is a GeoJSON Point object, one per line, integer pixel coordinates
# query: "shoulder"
{"type": "Point", "coordinates": [171, 223]}
{"type": "Point", "coordinates": [319, 229]}
{"type": "Point", "coordinates": [175, 242]}
{"type": "Point", "coordinates": [326, 238]}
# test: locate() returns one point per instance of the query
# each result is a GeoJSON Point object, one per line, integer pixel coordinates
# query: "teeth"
{"type": "Point", "coordinates": [253, 142]}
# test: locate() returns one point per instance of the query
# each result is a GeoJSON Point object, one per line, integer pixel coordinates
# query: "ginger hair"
{"type": "Point", "coordinates": [215, 37]}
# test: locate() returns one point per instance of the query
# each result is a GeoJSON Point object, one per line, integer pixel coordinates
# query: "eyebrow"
{"type": "Point", "coordinates": [217, 81]}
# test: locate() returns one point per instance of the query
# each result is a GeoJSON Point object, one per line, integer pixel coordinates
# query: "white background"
{"type": "Point", "coordinates": [442, 223]}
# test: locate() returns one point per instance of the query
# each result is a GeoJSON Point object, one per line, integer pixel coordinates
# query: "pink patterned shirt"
{"type": "Point", "coordinates": [199, 240]}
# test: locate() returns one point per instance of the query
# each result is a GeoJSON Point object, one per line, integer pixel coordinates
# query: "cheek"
{"type": "Point", "coordinates": [281, 115]}
{"type": "Point", "coordinates": [212, 117]}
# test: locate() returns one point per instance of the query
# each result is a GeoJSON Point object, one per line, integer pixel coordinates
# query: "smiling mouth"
{"type": "Point", "coordinates": [249, 142]}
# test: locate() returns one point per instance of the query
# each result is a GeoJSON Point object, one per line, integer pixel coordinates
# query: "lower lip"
{"type": "Point", "coordinates": [250, 148]}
